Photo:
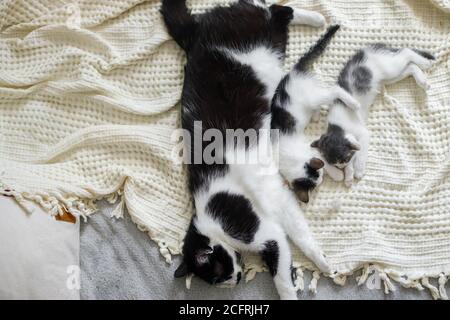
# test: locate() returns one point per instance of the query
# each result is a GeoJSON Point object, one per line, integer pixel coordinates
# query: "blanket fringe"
{"type": "Point", "coordinates": [313, 284]}
{"type": "Point", "coordinates": [57, 204]}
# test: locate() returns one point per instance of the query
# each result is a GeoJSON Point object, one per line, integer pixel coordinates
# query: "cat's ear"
{"type": "Point", "coordinates": [316, 163]}
{"type": "Point", "coordinates": [315, 144]}
{"type": "Point", "coordinates": [202, 256]}
{"type": "Point", "coordinates": [303, 195]}
{"type": "Point", "coordinates": [353, 144]}
{"type": "Point", "coordinates": [181, 271]}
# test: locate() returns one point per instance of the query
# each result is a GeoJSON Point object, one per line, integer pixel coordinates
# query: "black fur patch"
{"type": "Point", "coordinates": [235, 214]}
{"type": "Point", "coordinates": [270, 255]}
{"type": "Point", "coordinates": [306, 60]}
{"type": "Point", "coordinates": [345, 74]}
{"type": "Point", "coordinates": [219, 266]}
{"type": "Point", "coordinates": [304, 184]}
{"type": "Point", "coordinates": [281, 95]}
{"type": "Point", "coordinates": [283, 120]}
{"type": "Point", "coordinates": [425, 54]}
{"type": "Point", "coordinates": [362, 78]}
{"type": "Point", "coordinates": [311, 172]}
{"type": "Point", "coordinates": [383, 46]}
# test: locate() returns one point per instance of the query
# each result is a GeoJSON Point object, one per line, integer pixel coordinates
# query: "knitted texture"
{"type": "Point", "coordinates": [88, 104]}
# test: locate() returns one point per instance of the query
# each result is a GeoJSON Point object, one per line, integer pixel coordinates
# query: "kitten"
{"type": "Point", "coordinates": [345, 144]}
{"type": "Point", "coordinates": [234, 64]}
{"type": "Point", "coordinates": [298, 97]}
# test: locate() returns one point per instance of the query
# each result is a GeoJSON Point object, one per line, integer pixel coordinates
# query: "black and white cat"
{"type": "Point", "coordinates": [234, 64]}
{"type": "Point", "coordinates": [346, 142]}
{"type": "Point", "coordinates": [298, 97]}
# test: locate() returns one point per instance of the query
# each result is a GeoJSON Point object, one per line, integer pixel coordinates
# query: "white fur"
{"type": "Point", "coordinates": [307, 17]}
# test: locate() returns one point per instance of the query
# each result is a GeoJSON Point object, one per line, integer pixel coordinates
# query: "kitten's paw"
{"type": "Point", "coordinates": [359, 170]}
{"type": "Point", "coordinates": [353, 104]}
{"type": "Point", "coordinates": [348, 182]}
{"type": "Point", "coordinates": [337, 175]}
{"type": "Point", "coordinates": [359, 174]}
{"type": "Point", "coordinates": [426, 64]}
{"type": "Point", "coordinates": [423, 83]}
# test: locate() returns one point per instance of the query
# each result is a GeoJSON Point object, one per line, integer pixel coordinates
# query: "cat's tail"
{"type": "Point", "coordinates": [180, 23]}
{"type": "Point", "coordinates": [314, 52]}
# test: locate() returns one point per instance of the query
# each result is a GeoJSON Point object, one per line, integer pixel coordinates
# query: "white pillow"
{"type": "Point", "coordinates": [36, 254]}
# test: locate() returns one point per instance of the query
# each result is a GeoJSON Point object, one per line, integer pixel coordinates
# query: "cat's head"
{"type": "Point", "coordinates": [311, 178]}
{"type": "Point", "coordinates": [337, 147]}
{"type": "Point", "coordinates": [215, 263]}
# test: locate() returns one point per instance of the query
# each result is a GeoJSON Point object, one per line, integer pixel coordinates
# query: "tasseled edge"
{"type": "Point", "coordinates": [388, 286]}
{"type": "Point", "coordinates": [251, 270]}
{"type": "Point", "coordinates": [119, 210]}
{"type": "Point", "coordinates": [387, 276]}
{"type": "Point", "coordinates": [189, 280]}
{"type": "Point", "coordinates": [433, 290]}
{"type": "Point", "coordinates": [313, 284]}
{"type": "Point", "coordinates": [299, 282]}
{"type": "Point", "coordinates": [442, 282]}
{"type": "Point", "coordinates": [54, 204]}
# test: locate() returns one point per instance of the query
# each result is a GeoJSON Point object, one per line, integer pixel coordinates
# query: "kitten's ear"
{"type": "Point", "coordinates": [181, 271]}
{"type": "Point", "coordinates": [303, 195]}
{"type": "Point", "coordinates": [353, 144]}
{"type": "Point", "coordinates": [202, 256]}
{"type": "Point", "coordinates": [315, 144]}
{"type": "Point", "coordinates": [316, 163]}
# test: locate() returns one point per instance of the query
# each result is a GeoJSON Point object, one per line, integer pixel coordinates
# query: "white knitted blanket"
{"type": "Point", "coordinates": [88, 103]}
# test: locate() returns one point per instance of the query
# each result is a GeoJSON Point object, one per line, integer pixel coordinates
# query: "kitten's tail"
{"type": "Point", "coordinates": [179, 21]}
{"type": "Point", "coordinates": [314, 52]}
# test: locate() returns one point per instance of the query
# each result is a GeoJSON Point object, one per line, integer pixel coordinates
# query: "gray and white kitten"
{"type": "Point", "coordinates": [345, 144]}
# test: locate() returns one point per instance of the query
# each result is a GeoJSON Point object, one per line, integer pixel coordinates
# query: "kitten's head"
{"type": "Point", "coordinates": [336, 146]}
{"type": "Point", "coordinates": [216, 264]}
{"type": "Point", "coordinates": [310, 179]}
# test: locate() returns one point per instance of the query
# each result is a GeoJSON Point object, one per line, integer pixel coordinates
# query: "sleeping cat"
{"type": "Point", "coordinates": [234, 64]}
{"type": "Point", "coordinates": [346, 142]}
{"type": "Point", "coordinates": [298, 97]}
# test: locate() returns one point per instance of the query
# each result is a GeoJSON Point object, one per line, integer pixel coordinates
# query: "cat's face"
{"type": "Point", "coordinates": [311, 178]}
{"type": "Point", "coordinates": [337, 147]}
{"type": "Point", "coordinates": [214, 263]}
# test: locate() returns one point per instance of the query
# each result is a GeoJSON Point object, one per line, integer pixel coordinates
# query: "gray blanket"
{"type": "Point", "coordinates": [120, 262]}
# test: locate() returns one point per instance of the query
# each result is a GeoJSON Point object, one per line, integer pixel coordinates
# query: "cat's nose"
{"type": "Point", "coordinates": [239, 275]}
